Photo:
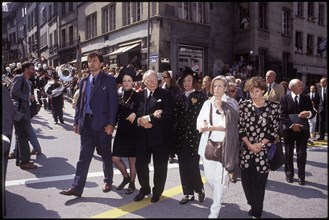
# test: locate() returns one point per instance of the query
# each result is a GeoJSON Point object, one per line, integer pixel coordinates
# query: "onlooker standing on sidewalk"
{"type": "Point", "coordinates": [95, 117]}
{"type": "Point", "coordinates": [274, 90]}
{"type": "Point", "coordinates": [323, 124]}
{"type": "Point", "coordinates": [21, 93]}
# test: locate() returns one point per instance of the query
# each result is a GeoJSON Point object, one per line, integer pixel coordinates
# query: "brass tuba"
{"type": "Point", "coordinates": [65, 72]}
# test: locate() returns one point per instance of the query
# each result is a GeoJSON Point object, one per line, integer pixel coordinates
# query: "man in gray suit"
{"type": "Point", "coordinates": [274, 90]}
{"type": "Point", "coordinates": [22, 97]}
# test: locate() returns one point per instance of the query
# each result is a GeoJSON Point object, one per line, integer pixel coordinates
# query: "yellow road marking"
{"type": "Point", "coordinates": [134, 206]}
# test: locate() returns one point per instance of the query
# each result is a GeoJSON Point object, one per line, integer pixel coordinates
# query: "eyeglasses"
{"type": "Point", "coordinates": [165, 77]}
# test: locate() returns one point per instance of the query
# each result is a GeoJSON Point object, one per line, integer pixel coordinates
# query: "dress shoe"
{"type": "Point", "coordinates": [320, 139]}
{"type": "Point", "coordinates": [201, 196]}
{"type": "Point", "coordinates": [301, 181]}
{"type": "Point", "coordinates": [70, 192]}
{"type": "Point", "coordinates": [131, 188]}
{"type": "Point", "coordinates": [289, 180]}
{"type": "Point", "coordinates": [139, 197]}
{"type": "Point", "coordinates": [186, 199]}
{"type": "Point", "coordinates": [27, 166]}
{"type": "Point", "coordinates": [124, 182]}
{"type": "Point", "coordinates": [107, 187]}
{"type": "Point", "coordinates": [35, 152]}
{"type": "Point", "coordinates": [155, 199]}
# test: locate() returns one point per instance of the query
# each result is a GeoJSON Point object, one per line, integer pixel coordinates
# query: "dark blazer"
{"type": "Point", "coordinates": [322, 103]}
{"type": "Point", "coordinates": [104, 102]}
{"type": "Point", "coordinates": [288, 107]}
{"type": "Point", "coordinates": [315, 100]}
{"type": "Point", "coordinates": [7, 113]}
{"type": "Point", "coordinates": [20, 91]}
{"type": "Point", "coordinates": [158, 134]}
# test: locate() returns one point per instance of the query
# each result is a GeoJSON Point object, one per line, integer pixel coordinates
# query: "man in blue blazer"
{"type": "Point", "coordinates": [296, 109]}
{"type": "Point", "coordinates": [95, 118]}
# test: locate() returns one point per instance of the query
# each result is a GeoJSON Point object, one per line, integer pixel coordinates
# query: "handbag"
{"type": "Point", "coordinates": [34, 108]}
{"type": "Point", "coordinates": [276, 156]}
{"type": "Point", "coordinates": [214, 150]}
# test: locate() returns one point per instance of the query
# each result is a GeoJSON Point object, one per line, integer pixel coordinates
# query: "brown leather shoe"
{"type": "Point", "coordinates": [27, 166]}
{"type": "Point", "coordinates": [70, 192]}
{"type": "Point", "coordinates": [107, 187]}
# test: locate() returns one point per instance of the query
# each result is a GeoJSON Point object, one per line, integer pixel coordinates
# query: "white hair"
{"type": "Point", "coordinates": [149, 73]}
{"type": "Point", "coordinates": [293, 82]}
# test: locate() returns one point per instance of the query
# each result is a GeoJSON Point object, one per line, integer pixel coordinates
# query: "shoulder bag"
{"type": "Point", "coordinates": [275, 155]}
{"type": "Point", "coordinates": [214, 149]}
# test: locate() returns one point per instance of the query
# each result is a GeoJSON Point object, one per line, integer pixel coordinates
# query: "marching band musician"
{"type": "Point", "coordinates": [55, 90]}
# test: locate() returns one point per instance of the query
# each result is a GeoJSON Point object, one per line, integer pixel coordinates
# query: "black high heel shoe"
{"type": "Point", "coordinates": [125, 181]}
{"type": "Point", "coordinates": [131, 188]}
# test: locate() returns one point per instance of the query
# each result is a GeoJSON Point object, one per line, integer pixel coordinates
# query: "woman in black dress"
{"type": "Point", "coordinates": [123, 145]}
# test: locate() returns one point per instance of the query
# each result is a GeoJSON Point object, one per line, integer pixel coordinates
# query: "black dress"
{"type": "Point", "coordinates": [124, 145]}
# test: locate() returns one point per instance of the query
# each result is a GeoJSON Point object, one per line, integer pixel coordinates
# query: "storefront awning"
{"type": "Point", "coordinates": [122, 50]}
{"type": "Point", "coordinates": [83, 59]}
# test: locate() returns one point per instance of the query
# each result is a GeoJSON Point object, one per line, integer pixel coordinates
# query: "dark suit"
{"type": "Point", "coordinates": [291, 138]}
{"type": "Point", "coordinates": [20, 92]}
{"type": "Point", "coordinates": [153, 141]}
{"type": "Point", "coordinates": [315, 99]}
{"type": "Point", "coordinates": [322, 114]}
{"type": "Point", "coordinates": [104, 103]}
{"type": "Point", "coordinates": [7, 129]}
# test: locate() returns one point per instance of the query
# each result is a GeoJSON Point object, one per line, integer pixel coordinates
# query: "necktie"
{"type": "Point", "coordinates": [323, 94]}
{"type": "Point", "coordinates": [147, 101]}
{"type": "Point", "coordinates": [269, 89]}
{"type": "Point", "coordinates": [296, 103]}
{"type": "Point", "coordinates": [91, 90]}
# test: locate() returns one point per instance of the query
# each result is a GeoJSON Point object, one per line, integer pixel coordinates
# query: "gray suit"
{"type": "Point", "coordinates": [20, 92]}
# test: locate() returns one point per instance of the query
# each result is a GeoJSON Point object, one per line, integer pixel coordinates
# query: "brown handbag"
{"type": "Point", "coordinates": [214, 150]}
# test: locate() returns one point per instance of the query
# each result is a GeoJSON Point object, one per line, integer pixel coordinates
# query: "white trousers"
{"type": "Point", "coordinates": [217, 178]}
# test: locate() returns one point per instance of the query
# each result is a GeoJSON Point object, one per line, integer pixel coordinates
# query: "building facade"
{"type": "Point", "coordinates": [207, 36]}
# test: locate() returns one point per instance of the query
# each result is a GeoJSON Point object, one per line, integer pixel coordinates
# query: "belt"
{"type": "Point", "coordinates": [89, 115]}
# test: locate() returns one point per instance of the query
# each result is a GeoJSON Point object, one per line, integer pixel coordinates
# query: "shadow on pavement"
{"type": "Point", "coordinates": [36, 210]}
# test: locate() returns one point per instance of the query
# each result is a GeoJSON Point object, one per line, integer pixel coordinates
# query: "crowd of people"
{"type": "Point", "coordinates": [164, 118]}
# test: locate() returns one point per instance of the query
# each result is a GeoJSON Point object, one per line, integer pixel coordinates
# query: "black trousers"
{"type": "Point", "coordinates": [22, 149]}
{"type": "Point", "coordinates": [160, 155]}
{"type": "Point", "coordinates": [300, 140]}
{"type": "Point", "coordinates": [323, 126]}
{"type": "Point", "coordinates": [189, 171]}
{"type": "Point", "coordinates": [254, 184]}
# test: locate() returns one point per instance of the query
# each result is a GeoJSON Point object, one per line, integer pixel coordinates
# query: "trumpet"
{"type": "Point", "coordinates": [65, 72]}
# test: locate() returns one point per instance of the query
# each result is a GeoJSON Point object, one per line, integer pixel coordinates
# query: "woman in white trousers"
{"type": "Point", "coordinates": [215, 172]}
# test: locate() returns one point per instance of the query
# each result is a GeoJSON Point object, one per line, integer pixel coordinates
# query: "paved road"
{"type": "Point", "coordinates": [35, 193]}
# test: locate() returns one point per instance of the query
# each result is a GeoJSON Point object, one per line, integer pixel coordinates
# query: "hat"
{"type": "Point", "coordinates": [185, 72]}
{"type": "Point", "coordinates": [125, 71]}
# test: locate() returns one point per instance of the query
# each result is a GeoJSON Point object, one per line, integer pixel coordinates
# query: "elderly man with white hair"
{"type": "Point", "coordinates": [153, 110]}
{"type": "Point", "coordinates": [296, 109]}
{"type": "Point", "coordinates": [274, 90]}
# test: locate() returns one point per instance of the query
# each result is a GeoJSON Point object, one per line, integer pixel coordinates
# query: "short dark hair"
{"type": "Point", "coordinates": [96, 54]}
{"type": "Point", "coordinates": [26, 65]}
{"type": "Point", "coordinates": [255, 82]}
